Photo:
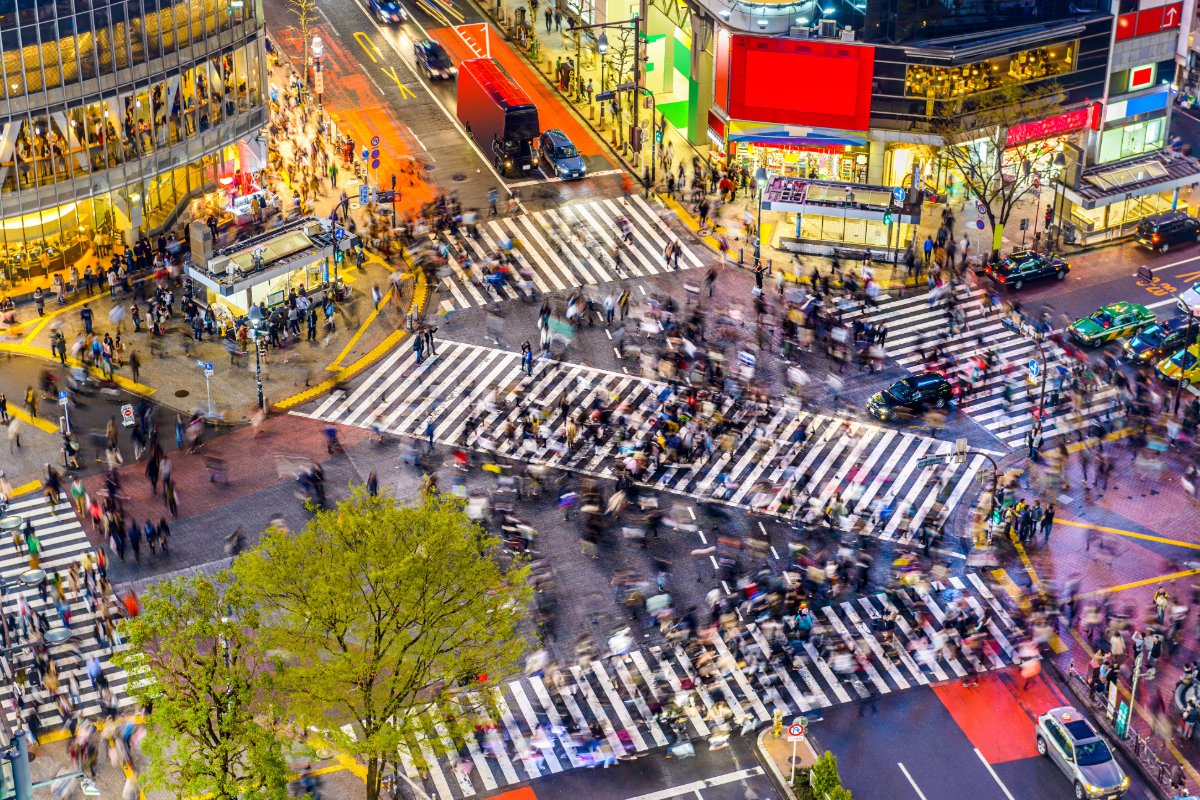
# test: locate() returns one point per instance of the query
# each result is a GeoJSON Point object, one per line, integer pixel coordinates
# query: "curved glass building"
{"type": "Point", "coordinates": [114, 114]}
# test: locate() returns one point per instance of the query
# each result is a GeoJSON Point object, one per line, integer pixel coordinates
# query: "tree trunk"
{"type": "Point", "coordinates": [374, 777]}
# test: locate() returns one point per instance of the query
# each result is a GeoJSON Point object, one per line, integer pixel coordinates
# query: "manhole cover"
{"type": "Point", "coordinates": [182, 393]}
{"type": "Point", "coordinates": [458, 176]}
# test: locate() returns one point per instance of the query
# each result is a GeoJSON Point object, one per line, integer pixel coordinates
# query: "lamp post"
{"type": "Point", "coordinates": [1060, 163]}
{"type": "Point", "coordinates": [760, 179]}
{"type": "Point", "coordinates": [256, 321]}
{"type": "Point", "coordinates": [318, 50]}
{"type": "Point", "coordinates": [602, 47]}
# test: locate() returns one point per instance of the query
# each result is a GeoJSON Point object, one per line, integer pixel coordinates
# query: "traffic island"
{"type": "Point", "coordinates": [777, 752]}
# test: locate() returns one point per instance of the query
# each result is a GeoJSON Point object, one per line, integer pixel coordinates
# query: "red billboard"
{"type": "Point", "coordinates": [797, 82]}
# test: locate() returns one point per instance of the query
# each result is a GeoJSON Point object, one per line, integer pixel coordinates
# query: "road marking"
{"type": "Point", "coordinates": [695, 786]}
{"type": "Point", "coordinates": [364, 41]}
{"type": "Point", "coordinates": [557, 179]}
{"type": "Point", "coordinates": [995, 777]}
{"type": "Point", "coordinates": [404, 90]}
{"type": "Point", "coordinates": [1172, 576]}
{"type": "Point", "coordinates": [916, 788]}
{"type": "Point", "coordinates": [1130, 534]}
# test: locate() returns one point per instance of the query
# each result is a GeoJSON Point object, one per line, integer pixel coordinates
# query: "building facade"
{"type": "Point", "coordinates": [115, 114]}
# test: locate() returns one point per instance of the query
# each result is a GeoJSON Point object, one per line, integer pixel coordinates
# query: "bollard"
{"type": "Point", "coordinates": [740, 254]}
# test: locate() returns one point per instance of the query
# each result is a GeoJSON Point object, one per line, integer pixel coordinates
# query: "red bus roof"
{"type": "Point", "coordinates": [496, 82]}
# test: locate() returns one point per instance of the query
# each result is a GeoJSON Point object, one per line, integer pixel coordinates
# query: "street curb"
{"type": "Point", "coordinates": [770, 764]}
{"type": "Point", "coordinates": [344, 374]}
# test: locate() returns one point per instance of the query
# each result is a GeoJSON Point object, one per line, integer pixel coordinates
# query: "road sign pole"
{"type": "Point", "coordinates": [792, 779]}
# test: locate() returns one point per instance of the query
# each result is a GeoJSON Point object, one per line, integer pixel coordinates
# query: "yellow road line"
{"type": "Point", "coordinates": [42, 322]}
{"type": "Point", "coordinates": [1130, 534]}
{"type": "Point", "coordinates": [1141, 712]}
{"type": "Point", "coordinates": [1033, 576]}
{"type": "Point", "coordinates": [358, 366]}
{"type": "Point", "coordinates": [1170, 576]}
{"type": "Point", "coordinates": [37, 422]}
{"type": "Point", "coordinates": [337, 362]}
{"type": "Point", "coordinates": [26, 488]}
{"type": "Point", "coordinates": [44, 354]}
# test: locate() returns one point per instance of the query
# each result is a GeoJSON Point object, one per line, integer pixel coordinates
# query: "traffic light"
{"type": "Point", "coordinates": [658, 133]}
{"type": "Point", "coordinates": [339, 255]}
{"type": "Point", "coordinates": [887, 218]}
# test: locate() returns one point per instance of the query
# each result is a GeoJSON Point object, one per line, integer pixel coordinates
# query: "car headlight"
{"type": "Point", "coordinates": [1125, 782]}
{"type": "Point", "coordinates": [535, 161]}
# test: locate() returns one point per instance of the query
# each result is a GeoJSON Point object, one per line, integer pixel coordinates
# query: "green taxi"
{"type": "Point", "coordinates": [1111, 322]}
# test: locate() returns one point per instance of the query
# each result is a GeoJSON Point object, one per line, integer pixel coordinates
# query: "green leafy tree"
{"type": "Point", "coordinates": [392, 616]}
{"type": "Point", "coordinates": [194, 658]}
{"type": "Point", "coordinates": [975, 130]}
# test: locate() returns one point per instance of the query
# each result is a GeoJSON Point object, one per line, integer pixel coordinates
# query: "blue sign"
{"type": "Point", "coordinates": [366, 153]}
{"type": "Point", "coordinates": [62, 395]}
{"type": "Point", "coordinates": [375, 153]}
{"type": "Point", "coordinates": [339, 234]}
{"type": "Point", "coordinates": [375, 163]}
{"type": "Point", "coordinates": [898, 194]}
{"type": "Point", "coordinates": [362, 193]}
{"type": "Point", "coordinates": [374, 141]}
{"type": "Point", "coordinates": [208, 365]}
{"type": "Point", "coordinates": [1034, 367]}
{"type": "Point", "coordinates": [979, 224]}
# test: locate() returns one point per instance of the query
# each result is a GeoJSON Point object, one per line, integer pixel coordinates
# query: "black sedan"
{"type": "Point", "coordinates": [1024, 266]}
{"type": "Point", "coordinates": [1159, 341]}
{"type": "Point", "coordinates": [912, 395]}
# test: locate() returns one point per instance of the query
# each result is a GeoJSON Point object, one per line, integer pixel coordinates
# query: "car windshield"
{"type": "Point", "coordinates": [1153, 335]}
{"type": "Point", "coordinates": [437, 58]}
{"type": "Point", "coordinates": [1184, 359]}
{"type": "Point", "coordinates": [902, 391]}
{"type": "Point", "coordinates": [1103, 319]}
{"type": "Point", "coordinates": [1089, 754]}
{"type": "Point", "coordinates": [1018, 264]}
{"type": "Point", "coordinates": [566, 151]}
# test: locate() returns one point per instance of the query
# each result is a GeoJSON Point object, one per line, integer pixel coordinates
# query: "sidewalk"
{"type": "Point", "coordinates": [1123, 544]}
{"type": "Point", "coordinates": [776, 752]}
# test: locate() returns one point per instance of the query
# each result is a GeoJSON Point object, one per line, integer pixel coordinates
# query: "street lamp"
{"type": "Point", "coordinates": [1060, 163]}
{"type": "Point", "coordinates": [760, 180]}
{"type": "Point", "coordinates": [602, 43]}
{"type": "Point", "coordinates": [256, 322]}
{"type": "Point", "coordinates": [318, 50]}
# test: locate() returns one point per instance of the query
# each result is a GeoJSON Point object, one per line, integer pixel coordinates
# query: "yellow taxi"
{"type": "Point", "coordinates": [1183, 366]}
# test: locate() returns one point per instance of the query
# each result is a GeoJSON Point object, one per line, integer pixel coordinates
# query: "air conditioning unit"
{"type": "Point", "coordinates": [847, 34]}
{"type": "Point", "coordinates": [799, 32]}
{"type": "Point", "coordinates": [218, 265]}
{"type": "Point", "coordinates": [827, 29]}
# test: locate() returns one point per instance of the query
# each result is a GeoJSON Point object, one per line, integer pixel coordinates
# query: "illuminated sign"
{"type": "Point", "coordinates": [1149, 21]}
{"type": "Point", "coordinates": [794, 82]}
{"type": "Point", "coordinates": [1054, 126]}
{"type": "Point", "coordinates": [1141, 77]}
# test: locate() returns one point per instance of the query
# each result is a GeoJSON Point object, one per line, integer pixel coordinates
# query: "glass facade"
{"type": "Point", "coordinates": [114, 114]}
{"type": "Point", "coordinates": [947, 83]}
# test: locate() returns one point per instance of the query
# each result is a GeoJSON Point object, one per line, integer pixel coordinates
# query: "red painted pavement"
{"type": "Point", "coordinates": [997, 716]}
{"type": "Point", "coordinates": [524, 793]}
{"type": "Point", "coordinates": [360, 111]}
{"type": "Point", "coordinates": [251, 465]}
{"type": "Point", "coordinates": [473, 41]}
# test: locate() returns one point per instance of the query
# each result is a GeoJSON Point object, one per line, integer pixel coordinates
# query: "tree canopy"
{"type": "Point", "coordinates": [390, 616]}
{"type": "Point", "coordinates": [195, 661]}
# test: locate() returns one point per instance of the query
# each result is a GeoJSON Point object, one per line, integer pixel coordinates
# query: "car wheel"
{"type": "Point", "coordinates": [1058, 276]}
{"type": "Point", "coordinates": [1017, 286]}
{"type": "Point", "coordinates": [1041, 747]}
{"type": "Point", "coordinates": [941, 402]}
{"type": "Point", "coordinates": [1164, 248]}
{"type": "Point", "coordinates": [1079, 793]}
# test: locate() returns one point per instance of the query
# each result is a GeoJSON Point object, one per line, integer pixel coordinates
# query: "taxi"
{"type": "Point", "coordinates": [1113, 321]}
{"type": "Point", "coordinates": [1183, 366]}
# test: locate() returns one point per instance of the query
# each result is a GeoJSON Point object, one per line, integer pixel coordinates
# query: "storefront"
{"type": "Point", "coordinates": [1108, 200]}
{"type": "Point", "coordinates": [826, 163]}
{"type": "Point", "coordinates": [827, 216]}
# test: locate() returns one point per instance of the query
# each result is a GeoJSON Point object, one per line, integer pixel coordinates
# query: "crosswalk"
{"type": "Point", "coordinates": [63, 542]}
{"type": "Point", "coordinates": [755, 672]}
{"type": "Point", "coordinates": [567, 261]}
{"type": "Point", "coordinates": [914, 326]}
{"type": "Point", "coordinates": [472, 393]}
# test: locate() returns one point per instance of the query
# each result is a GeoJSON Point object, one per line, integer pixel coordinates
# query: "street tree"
{"type": "Point", "coordinates": [195, 661]}
{"type": "Point", "coordinates": [391, 616]}
{"type": "Point", "coordinates": [305, 14]}
{"type": "Point", "coordinates": [975, 133]}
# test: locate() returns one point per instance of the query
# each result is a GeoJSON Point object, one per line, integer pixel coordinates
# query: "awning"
{"type": "Point", "coordinates": [1151, 173]}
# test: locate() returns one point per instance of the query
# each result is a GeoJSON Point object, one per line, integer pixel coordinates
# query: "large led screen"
{"type": "Point", "coordinates": [823, 84]}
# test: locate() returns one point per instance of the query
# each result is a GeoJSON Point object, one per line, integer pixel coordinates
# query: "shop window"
{"type": "Point", "coordinates": [1131, 140]}
{"type": "Point", "coordinates": [948, 83]}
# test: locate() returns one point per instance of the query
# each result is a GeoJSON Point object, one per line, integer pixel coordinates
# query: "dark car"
{"type": "Point", "coordinates": [434, 60]}
{"type": "Point", "coordinates": [561, 156]}
{"type": "Point", "coordinates": [1161, 231]}
{"type": "Point", "coordinates": [912, 395]}
{"type": "Point", "coordinates": [1160, 340]}
{"type": "Point", "coordinates": [1022, 267]}
{"type": "Point", "coordinates": [388, 11]}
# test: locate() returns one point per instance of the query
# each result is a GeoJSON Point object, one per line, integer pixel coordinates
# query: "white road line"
{"type": "Point", "coordinates": [995, 777]}
{"type": "Point", "coordinates": [916, 788]}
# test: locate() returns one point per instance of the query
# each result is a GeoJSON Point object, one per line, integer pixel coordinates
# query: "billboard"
{"type": "Point", "coordinates": [801, 82]}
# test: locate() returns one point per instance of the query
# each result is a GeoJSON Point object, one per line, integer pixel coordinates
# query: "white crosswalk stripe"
{"type": "Point", "coordinates": [859, 462]}
{"type": "Point", "coordinates": [862, 463]}
{"type": "Point", "coordinates": [914, 326]}
{"type": "Point", "coordinates": [566, 247]}
{"type": "Point", "coordinates": [63, 543]}
{"type": "Point", "coordinates": [754, 673]}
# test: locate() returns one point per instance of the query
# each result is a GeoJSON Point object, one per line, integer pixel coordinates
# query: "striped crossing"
{"type": "Point", "coordinates": [865, 464]}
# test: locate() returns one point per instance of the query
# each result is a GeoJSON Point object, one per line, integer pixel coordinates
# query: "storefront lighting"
{"type": "Point", "coordinates": [38, 218]}
{"type": "Point", "coordinates": [762, 22]}
{"type": "Point", "coordinates": [802, 20]}
{"type": "Point", "coordinates": [829, 12]}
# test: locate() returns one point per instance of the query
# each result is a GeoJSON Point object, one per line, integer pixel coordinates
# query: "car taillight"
{"type": "Point", "coordinates": [1155, 238]}
{"type": "Point", "coordinates": [1001, 279]}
